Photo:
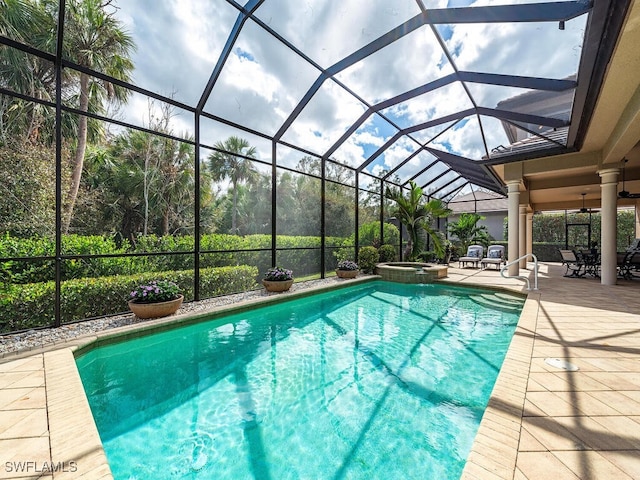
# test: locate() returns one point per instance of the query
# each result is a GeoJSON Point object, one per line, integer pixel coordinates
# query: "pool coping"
{"type": "Point", "coordinates": [73, 434]}
{"type": "Point", "coordinates": [494, 451]}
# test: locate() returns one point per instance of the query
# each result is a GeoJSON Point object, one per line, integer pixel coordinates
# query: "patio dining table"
{"type": "Point", "coordinates": [591, 261]}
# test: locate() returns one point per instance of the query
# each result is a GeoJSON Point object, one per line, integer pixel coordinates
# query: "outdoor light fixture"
{"type": "Point", "coordinates": [561, 25]}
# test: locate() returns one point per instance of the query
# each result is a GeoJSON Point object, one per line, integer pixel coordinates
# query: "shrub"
{"type": "Point", "coordinates": [427, 256]}
{"type": "Point", "coordinates": [369, 234]}
{"type": "Point", "coordinates": [387, 253]}
{"type": "Point", "coordinates": [367, 259]}
{"type": "Point", "coordinates": [32, 305]}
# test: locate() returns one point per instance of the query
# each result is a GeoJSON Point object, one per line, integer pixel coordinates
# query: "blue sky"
{"type": "Point", "coordinates": [179, 43]}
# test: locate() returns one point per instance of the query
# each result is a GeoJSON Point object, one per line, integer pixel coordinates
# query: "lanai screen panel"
{"type": "Point", "coordinates": [176, 47]}
{"type": "Point", "coordinates": [344, 80]}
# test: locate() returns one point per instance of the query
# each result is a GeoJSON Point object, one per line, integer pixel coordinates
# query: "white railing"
{"type": "Point", "coordinates": [526, 279]}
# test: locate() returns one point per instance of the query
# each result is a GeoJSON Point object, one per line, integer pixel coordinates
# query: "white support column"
{"type": "Point", "coordinates": [522, 235]}
{"type": "Point", "coordinates": [514, 227]}
{"type": "Point", "coordinates": [609, 219]}
{"type": "Point", "coordinates": [529, 232]}
{"type": "Point", "coordinates": [637, 231]}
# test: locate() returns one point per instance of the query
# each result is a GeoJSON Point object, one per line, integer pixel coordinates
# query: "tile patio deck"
{"type": "Point", "coordinates": [542, 422]}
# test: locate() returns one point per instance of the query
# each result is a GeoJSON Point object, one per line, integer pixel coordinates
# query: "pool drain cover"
{"type": "Point", "coordinates": [562, 364]}
{"type": "Point", "coordinates": [193, 454]}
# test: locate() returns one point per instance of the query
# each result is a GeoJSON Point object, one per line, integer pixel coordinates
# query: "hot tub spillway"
{"type": "Point", "coordinates": [410, 272]}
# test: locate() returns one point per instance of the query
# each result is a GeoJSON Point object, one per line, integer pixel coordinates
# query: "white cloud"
{"type": "Point", "coordinates": [377, 169]}
{"type": "Point", "coordinates": [369, 138]}
{"type": "Point", "coordinates": [407, 63]}
{"type": "Point", "coordinates": [465, 138]}
{"type": "Point", "coordinates": [398, 152]}
{"type": "Point", "coordinates": [179, 43]}
{"type": "Point", "coordinates": [250, 76]}
{"type": "Point", "coordinates": [328, 30]}
{"type": "Point", "coordinates": [328, 115]}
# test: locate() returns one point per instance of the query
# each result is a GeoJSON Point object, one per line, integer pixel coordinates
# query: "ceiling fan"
{"type": "Point", "coordinates": [585, 209]}
{"type": "Point", "coordinates": [624, 193]}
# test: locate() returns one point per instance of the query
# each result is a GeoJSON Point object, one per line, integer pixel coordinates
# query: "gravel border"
{"type": "Point", "coordinates": [31, 339]}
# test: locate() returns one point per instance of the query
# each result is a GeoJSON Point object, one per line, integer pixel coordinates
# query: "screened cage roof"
{"type": "Point", "coordinates": [434, 91]}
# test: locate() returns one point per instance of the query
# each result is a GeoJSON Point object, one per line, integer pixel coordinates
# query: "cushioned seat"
{"type": "Point", "coordinates": [495, 256]}
{"type": "Point", "coordinates": [473, 256]}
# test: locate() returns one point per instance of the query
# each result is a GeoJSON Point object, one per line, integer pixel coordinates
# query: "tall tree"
{"type": "Point", "coordinates": [94, 38]}
{"type": "Point", "coordinates": [417, 214]}
{"type": "Point", "coordinates": [29, 23]}
{"type": "Point", "coordinates": [141, 184]}
{"type": "Point", "coordinates": [339, 199]}
{"type": "Point", "coordinates": [231, 160]}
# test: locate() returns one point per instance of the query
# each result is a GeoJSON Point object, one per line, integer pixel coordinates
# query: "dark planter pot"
{"type": "Point", "coordinates": [347, 273]}
{"type": "Point", "coordinates": [157, 309]}
{"type": "Point", "coordinates": [277, 285]}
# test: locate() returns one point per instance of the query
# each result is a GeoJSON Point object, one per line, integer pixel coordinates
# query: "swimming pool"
{"type": "Point", "coordinates": [380, 380]}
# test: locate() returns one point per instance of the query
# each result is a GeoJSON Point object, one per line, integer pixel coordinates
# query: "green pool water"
{"type": "Point", "coordinates": [377, 381]}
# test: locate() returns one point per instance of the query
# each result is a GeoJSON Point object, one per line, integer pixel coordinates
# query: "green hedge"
{"type": "Point", "coordinates": [32, 305]}
{"type": "Point", "coordinates": [301, 261]}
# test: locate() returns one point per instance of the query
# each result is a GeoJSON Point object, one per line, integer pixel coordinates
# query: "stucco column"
{"type": "Point", "coordinates": [529, 248]}
{"type": "Point", "coordinates": [637, 231]}
{"type": "Point", "coordinates": [514, 225]}
{"type": "Point", "coordinates": [522, 234]}
{"type": "Point", "coordinates": [609, 219]}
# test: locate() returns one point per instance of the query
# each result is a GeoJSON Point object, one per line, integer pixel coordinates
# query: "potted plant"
{"type": "Point", "coordinates": [347, 269]}
{"type": "Point", "coordinates": [157, 298]}
{"type": "Point", "coordinates": [278, 279]}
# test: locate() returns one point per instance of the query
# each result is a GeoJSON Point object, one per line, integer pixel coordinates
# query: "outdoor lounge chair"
{"type": "Point", "coordinates": [574, 264]}
{"type": "Point", "coordinates": [473, 256]}
{"type": "Point", "coordinates": [495, 256]}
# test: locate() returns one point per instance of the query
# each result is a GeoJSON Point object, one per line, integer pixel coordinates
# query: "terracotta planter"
{"type": "Point", "coordinates": [277, 285]}
{"type": "Point", "coordinates": [347, 273]}
{"type": "Point", "coordinates": [157, 309]}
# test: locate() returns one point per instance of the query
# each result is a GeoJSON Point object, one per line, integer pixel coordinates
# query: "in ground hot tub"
{"type": "Point", "coordinates": [410, 272]}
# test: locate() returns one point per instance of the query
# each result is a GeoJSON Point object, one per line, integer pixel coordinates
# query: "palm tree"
{"type": "Point", "coordinates": [467, 230]}
{"type": "Point", "coordinates": [231, 160]}
{"type": "Point", "coordinates": [95, 39]}
{"type": "Point", "coordinates": [437, 209]}
{"type": "Point", "coordinates": [29, 23]}
{"type": "Point", "coordinates": [416, 214]}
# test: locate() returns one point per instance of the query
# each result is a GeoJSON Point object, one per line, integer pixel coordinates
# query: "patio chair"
{"type": "Point", "coordinates": [495, 256]}
{"type": "Point", "coordinates": [628, 261]}
{"type": "Point", "coordinates": [628, 264]}
{"type": "Point", "coordinates": [473, 256]}
{"type": "Point", "coordinates": [573, 263]}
